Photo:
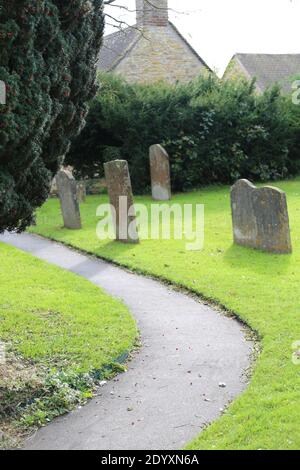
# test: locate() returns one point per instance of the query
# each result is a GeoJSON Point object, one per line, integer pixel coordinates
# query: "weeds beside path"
{"type": "Point", "coordinates": [61, 335]}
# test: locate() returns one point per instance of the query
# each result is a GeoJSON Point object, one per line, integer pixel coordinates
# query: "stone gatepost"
{"type": "Point", "coordinates": [160, 173]}
{"type": "Point", "coordinates": [260, 218]}
{"type": "Point", "coordinates": [67, 191]}
{"type": "Point", "coordinates": [121, 198]}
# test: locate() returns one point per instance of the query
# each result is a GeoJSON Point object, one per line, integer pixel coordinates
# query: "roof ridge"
{"type": "Point", "coordinates": [126, 51]}
{"type": "Point", "coordinates": [267, 53]}
{"type": "Point", "coordinates": [190, 46]}
{"type": "Point", "coordinates": [128, 37]}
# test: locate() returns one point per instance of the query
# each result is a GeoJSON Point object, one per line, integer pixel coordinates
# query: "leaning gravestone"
{"type": "Point", "coordinates": [160, 173]}
{"type": "Point", "coordinates": [121, 198]}
{"type": "Point", "coordinates": [260, 217]}
{"type": "Point", "coordinates": [67, 191]}
{"type": "Point", "coordinates": [81, 192]}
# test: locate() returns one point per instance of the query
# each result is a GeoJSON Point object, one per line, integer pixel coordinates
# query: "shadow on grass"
{"type": "Point", "coordinates": [260, 262]}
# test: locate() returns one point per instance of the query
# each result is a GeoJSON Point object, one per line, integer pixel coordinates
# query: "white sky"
{"type": "Point", "coordinates": [218, 29]}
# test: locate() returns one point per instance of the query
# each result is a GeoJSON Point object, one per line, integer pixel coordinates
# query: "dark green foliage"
{"type": "Point", "coordinates": [214, 131]}
{"type": "Point", "coordinates": [48, 50]}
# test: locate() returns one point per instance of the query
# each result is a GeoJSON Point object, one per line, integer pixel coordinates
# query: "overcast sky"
{"type": "Point", "coordinates": [219, 28]}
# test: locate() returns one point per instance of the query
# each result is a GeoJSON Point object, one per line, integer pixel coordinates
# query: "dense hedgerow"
{"type": "Point", "coordinates": [214, 131]}
{"type": "Point", "coordinates": [48, 50]}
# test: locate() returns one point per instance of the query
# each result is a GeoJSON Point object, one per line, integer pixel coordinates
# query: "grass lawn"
{"type": "Point", "coordinates": [262, 289]}
{"type": "Point", "coordinates": [62, 334]}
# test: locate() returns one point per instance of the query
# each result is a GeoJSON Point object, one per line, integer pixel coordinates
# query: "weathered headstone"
{"type": "Point", "coordinates": [160, 173]}
{"type": "Point", "coordinates": [2, 92]}
{"type": "Point", "coordinates": [81, 192]}
{"type": "Point", "coordinates": [121, 198]}
{"type": "Point", "coordinates": [67, 191]}
{"type": "Point", "coordinates": [260, 217]}
{"type": "Point", "coordinates": [243, 218]}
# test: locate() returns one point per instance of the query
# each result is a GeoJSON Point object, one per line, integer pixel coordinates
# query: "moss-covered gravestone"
{"type": "Point", "coordinates": [260, 217]}
{"type": "Point", "coordinates": [67, 191]}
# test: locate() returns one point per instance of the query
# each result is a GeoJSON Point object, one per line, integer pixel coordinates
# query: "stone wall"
{"type": "Point", "coordinates": [160, 54]}
{"type": "Point", "coordinates": [236, 71]}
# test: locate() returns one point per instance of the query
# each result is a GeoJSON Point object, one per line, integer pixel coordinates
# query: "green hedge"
{"type": "Point", "coordinates": [214, 131]}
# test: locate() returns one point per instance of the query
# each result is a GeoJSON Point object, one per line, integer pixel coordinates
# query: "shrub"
{"type": "Point", "coordinates": [214, 131]}
{"type": "Point", "coordinates": [48, 50]}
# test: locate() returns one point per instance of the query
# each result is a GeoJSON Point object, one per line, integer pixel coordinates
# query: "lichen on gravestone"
{"type": "Point", "coordinates": [260, 217]}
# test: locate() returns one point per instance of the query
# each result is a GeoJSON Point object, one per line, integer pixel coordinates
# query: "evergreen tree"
{"type": "Point", "coordinates": [48, 52]}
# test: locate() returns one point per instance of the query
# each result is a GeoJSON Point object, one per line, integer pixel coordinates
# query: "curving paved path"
{"type": "Point", "coordinates": [172, 387]}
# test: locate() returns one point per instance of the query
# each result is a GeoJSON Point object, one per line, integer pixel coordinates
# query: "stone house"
{"type": "Point", "coordinates": [152, 50]}
{"type": "Point", "coordinates": [268, 69]}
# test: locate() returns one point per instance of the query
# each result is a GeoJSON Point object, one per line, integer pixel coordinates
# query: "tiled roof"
{"type": "Point", "coordinates": [269, 69]}
{"type": "Point", "coordinates": [115, 47]}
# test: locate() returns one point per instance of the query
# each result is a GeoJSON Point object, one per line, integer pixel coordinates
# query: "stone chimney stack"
{"type": "Point", "coordinates": [152, 12]}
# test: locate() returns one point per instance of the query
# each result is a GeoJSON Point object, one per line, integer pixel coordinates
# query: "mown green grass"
{"type": "Point", "coordinates": [262, 289]}
{"type": "Point", "coordinates": [61, 333]}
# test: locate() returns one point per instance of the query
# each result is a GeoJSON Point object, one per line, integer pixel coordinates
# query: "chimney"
{"type": "Point", "coordinates": [152, 12]}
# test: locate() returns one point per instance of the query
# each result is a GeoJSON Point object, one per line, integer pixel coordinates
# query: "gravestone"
{"type": "Point", "coordinates": [2, 92]}
{"type": "Point", "coordinates": [260, 217]}
{"type": "Point", "coordinates": [121, 198]}
{"type": "Point", "coordinates": [160, 173]}
{"type": "Point", "coordinates": [243, 218]}
{"type": "Point", "coordinates": [81, 192]}
{"type": "Point", "coordinates": [67, 192]}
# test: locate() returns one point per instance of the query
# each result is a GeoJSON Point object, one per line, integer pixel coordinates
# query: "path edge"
{"type": "Point", "coordinates": [249, 333]}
